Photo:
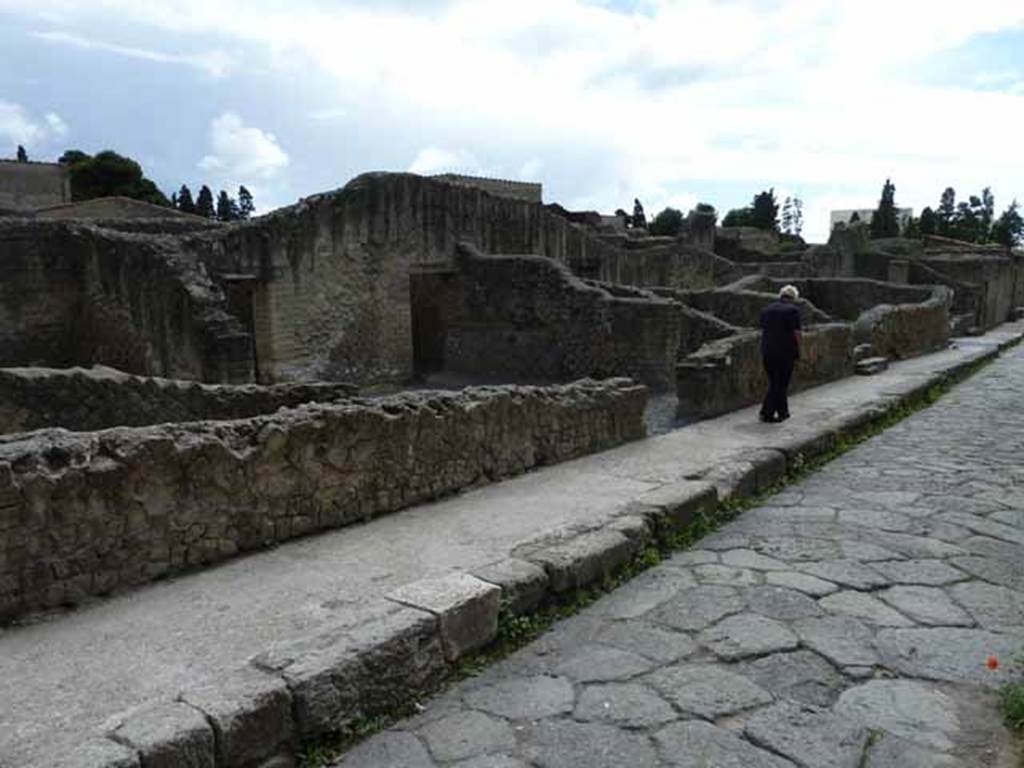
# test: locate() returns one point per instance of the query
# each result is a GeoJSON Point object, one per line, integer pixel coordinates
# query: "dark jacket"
{"type": "Point", "coordinates": [780, 322]}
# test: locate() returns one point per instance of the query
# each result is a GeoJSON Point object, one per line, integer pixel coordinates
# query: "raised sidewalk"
{"type": "Point", "coordinates": [232, 666]}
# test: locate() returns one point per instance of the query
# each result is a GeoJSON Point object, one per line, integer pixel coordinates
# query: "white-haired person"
{"type": "Point", "coordinates": [780, 349]}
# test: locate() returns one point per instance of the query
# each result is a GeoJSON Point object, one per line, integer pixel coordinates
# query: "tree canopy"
{"type": "Point", "coordinates": [22, 155]}
{"type": "Point", "coordinates": [669, 222]}
{"type": "Point", "coordinates": [885, 222]}
{"type": "Point", "coordinates": [107, 174]}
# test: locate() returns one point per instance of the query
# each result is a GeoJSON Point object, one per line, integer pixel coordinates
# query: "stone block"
{"type": "Point", "coordinates": [585, 559]}
{"type": "Point", "coordinates": [362, 668]}
{"type": "Point", "coordinates": [681, 504]}
{"type": "Point", "coordinates": [166, 735]}
{"type": "Point", "coordinates": [466, 609]}
{"type": "Point", "coordinates": [871, 366]}
{"type": "Point", "coordinates": [523, 585]}
{"type": "Point", "coordinates": [251, 714]}
{"type": "Point", "coordinates": [95, 753]}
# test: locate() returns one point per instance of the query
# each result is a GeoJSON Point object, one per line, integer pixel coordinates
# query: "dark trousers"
{"type": "Point", "coordinates": [780, 371]}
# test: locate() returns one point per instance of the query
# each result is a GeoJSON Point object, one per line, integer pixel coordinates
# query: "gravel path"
{"type": "Point", "coordinates": [847, 622]}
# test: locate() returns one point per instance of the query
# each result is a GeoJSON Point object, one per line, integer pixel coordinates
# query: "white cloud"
{"type": "Point", "coordinates": [242, 152]}
{"type": "Point", "coordinates": [216, 64]}
{"type": "Point", "coordinates": [653, 102]}
{"type": "Point", "coordinates": [18, 127]}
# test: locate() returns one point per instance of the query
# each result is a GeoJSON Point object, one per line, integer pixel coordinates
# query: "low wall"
{"type": "Point", "coordinates": [741, 307]}
{"type": "Point", "coordinates": [844, 298]}
{"type": "Point", "coordinates": [87, 513]}
{"type": "Point", "coordinates": [529, 318]}
{"type": "Point", "coordinates": [85, 399]}
{"type": "Point", "coordinates": [906, 330]}
{"type": "Point", "coordinates": [728, 374]}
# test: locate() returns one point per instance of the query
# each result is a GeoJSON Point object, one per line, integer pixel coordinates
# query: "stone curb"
{"type": "Point", "coordinates": [412, 637]}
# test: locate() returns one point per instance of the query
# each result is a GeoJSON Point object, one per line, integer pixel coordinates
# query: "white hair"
{"type": "Point", "coordinates": [789, 292]}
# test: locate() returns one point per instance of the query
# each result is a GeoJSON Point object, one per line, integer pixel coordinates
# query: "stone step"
{"type": "Point", "coordinates": [1017, 313]}
{"type": "Point", "coordinates": [862, 352]}
{"type": "Point", "coordinates": [869, 366]}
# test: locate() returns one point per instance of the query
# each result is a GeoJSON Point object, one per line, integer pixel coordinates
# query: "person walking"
{"type": "Point", "coordinates": [780, 349]}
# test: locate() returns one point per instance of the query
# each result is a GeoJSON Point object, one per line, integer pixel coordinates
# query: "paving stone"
{"type": "Point", "coordinates": [802, 676]}
{"type": "Point", "coordinates": [694, 609]}
{"type": "Point", "coordinates": [917, 546]}
{"type": "Point", "coordinates": [696, 744]}
{"type": "Point", "coordinates": [797, 513]}
{"type": "Point", "coordinates": [708, 690]}
{"type": "Point", "coordinates": [993, 607]}
{"type": "Point", "coordinates": [866, 552]}
{"type": "Point", "coordinates": [905, 708]}
{"type": "Point", "coordinates": [888, 499]}
{"type": "Point", "coordinates": [747, 634]}
{"type": "Point", "coordinates": [929, 573]}
{"type": "Point", "coordinates": [849, 573]}
{"type": "Point", "coordinates": [691, 557]}
{"type": "Point", "coordinates": [796, 549]}
{"type": "Point", "coordinates": [251, 714]}
{"type": "Point", "coordinates": [875, 518]}
{"type": "Point", "coordinates": [891, 752]}
{"type": "Point", "coordinates": [843, 640]}
{"type": "Point", "coordinates": [387, 750]}
{"type": "Point", "coordinates": [951, 654]}
{"type": "Point", "coordinates": [644, 593]}
{"type": "Point", "coordinates": [466, 608]}
{"type": "Point", "coordinates": [994, 548]}
{"type": "Point", "coordinates": [564, 743]}
{"type": "Point", "coordinates": [524, 698]}
{"type": "Point", "coordinates": [782, 604]}
{"type": "Point", "coordinates": [598, 663]}
{"type": "Point", "coordinates": [662, 645]}
{"type": "Point", "coordinates": [627, 704]}
{"type": "Point", "coordinates": [748, 558]}
{"type": "Point", "coordinates": [802, 582]}
{"type": "Point", "coordinates": [926, 605]}
{"type": "Point", "coordinates": [864, 607]}
{"type": "Point", "coordinates": [166, 735]}
{"type": "Point", "coordinates": [467, 734]}
{"type": "Point", "coordinates": [986, 527]}
{"type": "Point", "coordinates": [723, 574]}
{"type": "Point", "coordinates": [490, 761]}
{"type": "Point", "coordinates": [1003, 572]}
{"type": "Point", "coordinates": [809, 736]}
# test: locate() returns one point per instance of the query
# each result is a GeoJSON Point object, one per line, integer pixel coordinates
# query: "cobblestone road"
{"type": "Point", "coordinates": [845, 623]}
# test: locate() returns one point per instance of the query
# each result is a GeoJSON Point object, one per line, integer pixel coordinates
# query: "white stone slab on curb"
{"type": "Point", "coordinates": [466, 608]}
{"type": "Point", "coordinates": [681, 504]}
{"type": "Point", "coordinates": [585, 559]}
{"type": "Point", "coordinates": [251, 714]}
{"type": "Point", "coordinates": [523, 585]}
{"type": "Point", "coordinates": [96, 753]}
{"type": "Point", "coordinates": [167, 735]}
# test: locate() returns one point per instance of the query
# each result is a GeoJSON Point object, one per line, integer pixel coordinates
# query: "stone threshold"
{"type": "Point", "coordinates": [405, 641]}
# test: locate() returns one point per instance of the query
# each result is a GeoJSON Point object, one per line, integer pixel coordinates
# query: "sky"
{"type": "Point", "coordinates": [669, 101]}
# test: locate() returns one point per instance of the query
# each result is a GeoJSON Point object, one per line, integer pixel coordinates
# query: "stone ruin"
{"type": "Point", "coordinates": [175, 392]}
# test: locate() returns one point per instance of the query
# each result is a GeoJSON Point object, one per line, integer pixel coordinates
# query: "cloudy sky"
{"type": "Point", "coordinates": [671, 101]}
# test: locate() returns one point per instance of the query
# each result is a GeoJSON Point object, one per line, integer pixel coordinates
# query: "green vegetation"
{"type": "Point", "coordinates": [884, 223]}
{"type": "Point", "coordinates": [668, 223]}
{"type": "Point", "coordinates": [972, 221]}
{"type": "Point", "coordinates": [108, 174]}
{"type": "Point", "coordinates": [22, 155]}
{"type": "Point", "coordinates": [762, 213]}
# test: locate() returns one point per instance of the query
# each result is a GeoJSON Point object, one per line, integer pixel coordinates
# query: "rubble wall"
{"type": "Point", "coordinates": [86, 399]}
{"type": "Point", "coordinates": [728, 374]}
{"type": "Point", "coordinates": [528, 318]}
{"type": "Point", "coordinates": [72, 294]}
{"type": "Point", "coordinates": [88, 513]}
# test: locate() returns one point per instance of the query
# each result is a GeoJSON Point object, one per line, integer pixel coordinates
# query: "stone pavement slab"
{"type": "Point", "coordinates": [310, 609]}
{"type": "Point", "coordinates": [869, 662]}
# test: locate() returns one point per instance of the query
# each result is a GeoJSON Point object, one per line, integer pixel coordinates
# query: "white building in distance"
{"type": "Point", "coordinates": [866, 215]}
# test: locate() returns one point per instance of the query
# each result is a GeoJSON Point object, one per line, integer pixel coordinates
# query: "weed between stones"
{"type": "Point", "coordinates": [517, 631]}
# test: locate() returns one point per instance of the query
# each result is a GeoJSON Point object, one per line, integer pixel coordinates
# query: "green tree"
{"type": "Point", "coordinates": [739, 217]}
{"type": "Point", "coordinates": [798, 216]}
{"type": "Point", "coordinates": [1008, 229]}
{"type": "Point", "coordinates": [885, 223]}
{"type": "Point", "coordinates": [227, 208]}
{"type": "Point", "coordinates": [988, 212]}
{"type": "Point", "coordinates": [765, 211]}
{"type": "Point", "coordinates": [946, 213]}
{"type": "Point", "coordinates": [855, 218]}
{"type": "Point", "coordinates": [668, 223]}
{"type": "Point", "coordinates": [929, 222]}
{"type": "Point", "coordinates": [245, 204]}
{"type": "Point", "coordinates": [185, 202]}
{"type": "Point", "coordinates": [787, 216]}
{"type": "Point", "coordinates": [109, 174]}
{"type": "Point", "coordinates": [22, 154]}
{"type": "Point", "coordinates": [204, 203]}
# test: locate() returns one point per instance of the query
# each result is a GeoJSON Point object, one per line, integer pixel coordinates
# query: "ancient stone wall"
{"type": "Point", "coordinates": [75, 295]}
{"type": "Point", "coordinates": [117, 209]}
{"type": "Point", "coordinates": [529, 318]}
{"type": "Point", "coordinates": [843, 298]}
{"type": "Point", "coordinates": [996, 275]}
{"type": "Point", "coordinates": [527, 191]}
{"type": "Point", "coordinates": [741, 307]}
{"type": "Point", "coordinates": [728, 374]}
{"type": "Point", "coordinates": [85, 399]}
{"type": "Point", "coordinates": [88, 513]}
{"type": "Point", "coordinates": [28, 186]}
